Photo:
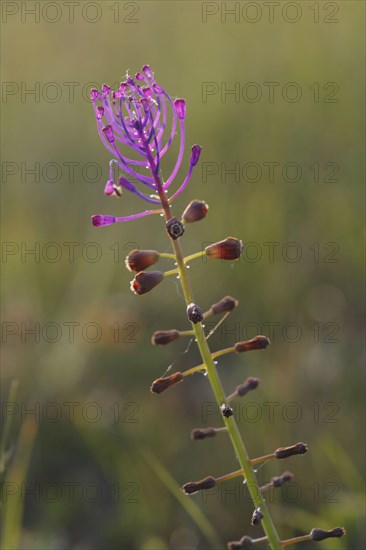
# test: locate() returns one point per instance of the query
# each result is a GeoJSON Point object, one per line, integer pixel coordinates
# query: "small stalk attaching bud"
{"type": "Point", "coordinates": [163, 337]}
{"type": "Point", "coordinates": [162, 384]}
{"type": "Point", "coordinates": [286, 452]}
{"type": "Point", "coordinates": [193, 487]}
{"type": "Point", "coordinates": [139, 260]}
{"type": "Point", "coordinates": [245, 543]}
{"type": "Point", "coordinates": [195, 211]}
{"type": "Point", "coordinates": [228, 249]}
{"type": "Point", "coordinates": [258, 342]}
{"type": "Point", "coordinates": [194, 313]}
{"type": "Point", "coordinates": [146, 281]}
{"type": "Point", "coordinates": [175, 228]}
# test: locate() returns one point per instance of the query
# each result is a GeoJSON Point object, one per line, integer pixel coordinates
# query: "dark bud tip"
{"type": "Point", "coordinates": [282, 479]}
{"type": "Point", "coordinates": [195, 211]}
{"type": "Point", "coordinates": [194, 486]}
{"type": "Point", "coordinates": [161, 384]}
{"type": "Point", "coordinates": [319, 534]}
{"type": "Point", "coordinates": [194, 313]}
{"type": "Point", "coordinates": [257, 517]}
{"type": "Point", "coordinates": [258, 342]}
{"type": "Point", "coordinates": [138, 260]}
{"type": "Point", "coordinates": [223, 306]}
{"type": "Point", "coordinates": [250, 383]}
{"type": "Point", "coordinates": [198, 433]}
{"type": "Point", "coordinates": [175, 228]}
{"type": "Point", "coordinates": [228, 249]}
{"type": "Point", "coordinates": [163, 337]}
{"type": "Point", "coordinates": [226, 411]}
{"type": "Point", "coordinates": [146, 281]}
{"type": "Point", "coordinates": [245, 543]}
{"type": "Point", "coordinates": [285, 452]}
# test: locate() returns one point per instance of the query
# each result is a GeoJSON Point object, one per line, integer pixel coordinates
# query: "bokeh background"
{"type": "Point", "coordinates": [99, 461]}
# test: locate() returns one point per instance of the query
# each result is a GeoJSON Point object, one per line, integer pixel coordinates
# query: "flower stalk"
{"type": "Point", "coordinates": [135, 116]}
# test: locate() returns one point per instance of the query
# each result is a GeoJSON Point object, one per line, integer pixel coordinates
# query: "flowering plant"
{"type": "Point", "coordinates": [136, 116]}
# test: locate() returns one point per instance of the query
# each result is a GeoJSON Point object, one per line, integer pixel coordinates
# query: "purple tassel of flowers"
{"type": "Point", "coordinates": [136, 117]}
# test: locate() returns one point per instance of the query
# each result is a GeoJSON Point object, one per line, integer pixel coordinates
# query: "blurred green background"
{"type": "Point", "coordinates": [98, 464]}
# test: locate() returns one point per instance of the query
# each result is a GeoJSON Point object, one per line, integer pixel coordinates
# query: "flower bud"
{"type": "Point", "coordinates": [228, 249]}
{"type": "Point", "coordinates": [109, 188]}
{"type": "Point", "coordinates": [146, 281]}
{"type": "Point", "coordinates": [195, 155]}
{"type": "Point", "coordinates": [250, 383]}
{"type": "Point", "coordinates": [257, 516]}
{"type": "Point", "coordinates": [108, 132]}
{"type": "Point", "coordinates": [194, 486]}
{"type": "Point", "coordinates": [225, 305]}
{"type": "Point", "coordinates": [285, 452]}
{"type": "Point", "coordinates": [100, 112]}
{"type": "Point", "coordinates": [161, 384]}
{"type": "Point", "coordinates": [258, 342]}
{"type": "Point", "coordinates": [180, 108]}
{"type": "Point", "coordinates": [163, 337]}
{"type": "Point", "coordinates": [138, 260]}
{"type": "Point", "coordinates": [175, 228]}
{"type": "Point", "coordinates": [99, 220]}
{"type": "Point", "coordinates": [194, 313]}
{"type": "Point", "coordinates": [278, 481]}
{"type": "Point", "coordinates": [195, 211]}
{"type": "Point", "coordinates": [320, 534]}
{"type": "Point", "coordinates": [202, 433]}
{"type": "Point", "coordinates": [106, 90]}
{"type": "Point", "coordinates": [94, 94]}
{"type": "Point", "coordinates": [226, 411]}
{"type": "Point", "coordinates": [148, 72]}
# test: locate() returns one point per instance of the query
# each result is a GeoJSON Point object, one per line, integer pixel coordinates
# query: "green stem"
{"type": "Point", "coordinates": [194, 256]}
{"type": "Point", "coordinates": [230, 423]}
{"type": "Point", "coordinates": [171, 272]}
{"type": "Point", "coordinates": [165, 255]}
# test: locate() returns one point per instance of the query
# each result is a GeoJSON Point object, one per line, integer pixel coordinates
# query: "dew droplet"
{"type": "Point", "coordinates": [178, 276]}
{"type": "Point", "coordinates": [205, 373]}
{"type": "Point", "coordinates": [161, 215]}
{"type": "Point", "coordinates": [216, 362]}
{"type": "Point", "coordinates": [175, 263]}
{"type": "Point", "coordinates": [188, 267]}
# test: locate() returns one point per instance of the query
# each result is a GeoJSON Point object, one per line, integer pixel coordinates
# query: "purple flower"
{"type": "Point", "coordinates": [136, 117]}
